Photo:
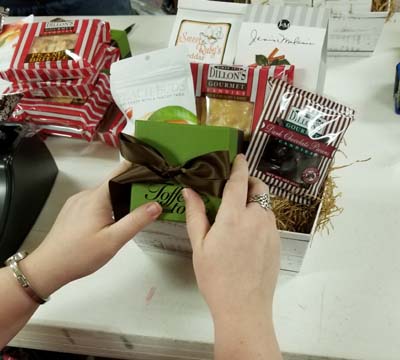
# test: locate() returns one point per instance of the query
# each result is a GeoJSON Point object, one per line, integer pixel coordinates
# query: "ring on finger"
{"type": "Point", "coordinates": [264, 200]}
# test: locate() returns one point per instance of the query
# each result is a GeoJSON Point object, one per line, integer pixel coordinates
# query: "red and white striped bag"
{"type": "Point", "coordinates": [56, 50]}
{"type": "Point", "coordinates": [234, 95]}
{"type": "Point", "coordinates": [76, 88]}
{"type": "Point", "coordinates": [113, 123]}
{"type": "Point", "coordinates": [68, 119]}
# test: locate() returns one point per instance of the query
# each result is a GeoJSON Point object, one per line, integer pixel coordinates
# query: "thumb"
{"type": "Point", "coordinates": [196, 219]}
{"type": "Point", "coordinates": [125, 229]}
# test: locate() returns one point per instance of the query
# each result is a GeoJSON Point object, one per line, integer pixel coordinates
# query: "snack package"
{"type": "Point", "coordinates": [158, 81]}
{"type": "Point", "coordinates": [111, 126]}
{"type": "Point", "coordinates": [282, 35]}
{"type": "Point", "coordinates": [168, 157]}
{"type": "Point", "coordinates": [67, 116]}
{"type": "Point", "coordinates": [74, 88]}
{"type": "Point", "coordinates": [62, 49]}
{"type": "Point", "coordinates": [209, 29]}
{"type": "Point", "coordinates": [9, 38]}
{"type": "Point", "coordinates": [234, 96]}
{"type": "Point", "coordinates": [296, 140]}
{"type": "Point", "coordinates": [7, 105]}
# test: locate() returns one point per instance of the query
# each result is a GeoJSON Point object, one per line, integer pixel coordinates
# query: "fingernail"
{"type": "Point", "coordinates": [241, 156]}
{"type": "Point", "coordinates": [185, 193]}
{"type": "Point", "coordinates": [154, 209]}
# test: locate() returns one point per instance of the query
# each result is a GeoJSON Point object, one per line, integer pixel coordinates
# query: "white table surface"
{"type": "Point", "coordinates": [346, 300]}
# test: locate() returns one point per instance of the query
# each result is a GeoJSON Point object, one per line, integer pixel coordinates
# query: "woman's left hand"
{"type": "Point", "coordinates": [83, 238]}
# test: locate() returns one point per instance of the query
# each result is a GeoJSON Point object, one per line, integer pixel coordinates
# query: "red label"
{"type": "Point", "coordinates": [298, 139]}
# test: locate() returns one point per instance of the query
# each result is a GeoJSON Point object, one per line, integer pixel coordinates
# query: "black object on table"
{"type": "Point", "coordinates": [27, 175]}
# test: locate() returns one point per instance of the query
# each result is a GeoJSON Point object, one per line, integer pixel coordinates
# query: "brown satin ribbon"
{"type": "Point", "coordinates": [206, 173]}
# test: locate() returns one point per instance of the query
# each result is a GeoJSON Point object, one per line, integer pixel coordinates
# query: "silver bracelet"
{"type": "Point", "coordinates": [12, 262]}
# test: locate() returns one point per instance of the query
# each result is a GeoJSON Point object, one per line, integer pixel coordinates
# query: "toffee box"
{"type": "Point", "coordinates": [178, 144]}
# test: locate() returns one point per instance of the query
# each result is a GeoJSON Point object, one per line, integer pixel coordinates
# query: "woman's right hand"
{"type": "Point", "coordinates": [236, 260]}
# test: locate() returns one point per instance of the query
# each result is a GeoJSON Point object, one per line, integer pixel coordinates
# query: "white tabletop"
{"type": "Point", "coordinates": [344, 303]}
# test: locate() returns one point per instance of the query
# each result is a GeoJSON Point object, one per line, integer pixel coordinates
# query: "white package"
{"type": "Point", "coordinates": [209, 28]}
{"type": "Point", "coordinates": [145, 83]}
{"type": "Point", "coordinates": [283, 35]}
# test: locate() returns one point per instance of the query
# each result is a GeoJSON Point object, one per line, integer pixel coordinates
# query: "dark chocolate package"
{"type": "Point", "coordinates": [296, 141]}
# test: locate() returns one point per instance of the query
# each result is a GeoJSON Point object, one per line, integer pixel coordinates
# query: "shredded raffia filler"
{"type": "Point", "coordinates": [295, 217]}
{"type": "Point", "coordinates": [300, 218]}
{"type": "Point", "coordinates": [384, 5]}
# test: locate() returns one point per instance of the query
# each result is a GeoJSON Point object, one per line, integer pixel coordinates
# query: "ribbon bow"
{"type": "Point", "coordinates": [207, 173]}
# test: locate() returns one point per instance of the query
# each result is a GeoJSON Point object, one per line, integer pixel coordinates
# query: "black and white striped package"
{"type": "Point", "coordinates": [296, 140]}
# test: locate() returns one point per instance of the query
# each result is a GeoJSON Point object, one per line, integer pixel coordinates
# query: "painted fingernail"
{"type": "Point", "coordinates": [186, 193]}
{"type": "Point", "coordinates": [154, 209]}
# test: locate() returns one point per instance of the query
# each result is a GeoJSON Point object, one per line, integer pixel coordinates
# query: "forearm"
{"type": "Point", "coordinates": [16, 307]}
{"type": "Point", "coordinates": [246, 337]}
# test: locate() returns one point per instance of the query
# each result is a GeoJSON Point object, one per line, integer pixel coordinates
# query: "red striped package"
{"type": "Point", "coordinates": [56, 50]}
{"type": "Point", "coordinates": [64, 116]}
{"type": "Point", "coordinates": [232, 95]}
{"type": "Point", "coordinates": [76, 88]}
{"type": "Point", "coordinates": [296, 140]}
{"type": "Point", "coordinates": [113, 123]}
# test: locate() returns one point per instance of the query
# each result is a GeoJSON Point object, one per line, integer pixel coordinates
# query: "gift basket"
{"type": "Point", "coordinates": [211, 95]}
{"type": "Point", "coordinates": [236, 78]}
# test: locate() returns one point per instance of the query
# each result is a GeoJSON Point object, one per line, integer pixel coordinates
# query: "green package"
{"type": "Point", "coordinates": [119, 39]}
{"type": "Point", "coordinates": [179, 144]}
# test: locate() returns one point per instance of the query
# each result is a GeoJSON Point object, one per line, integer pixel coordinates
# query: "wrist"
{"type": "Point", "coordinates": [249, 311]}
{"type": "Point", "coordinates": [40, 274]}
{"type": "Point", "coordinates": [244, 319]}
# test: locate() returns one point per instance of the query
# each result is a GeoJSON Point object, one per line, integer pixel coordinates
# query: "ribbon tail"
{"type": "Point", "coordinates": [120, 187]}
{"type": "Point", "coordinates": [120, 198]}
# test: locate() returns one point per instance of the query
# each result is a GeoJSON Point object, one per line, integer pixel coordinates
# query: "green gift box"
{"type": "Point", "coordinates": [179, 144]}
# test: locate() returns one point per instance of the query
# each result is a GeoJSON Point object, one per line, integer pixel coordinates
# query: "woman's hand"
{"type": "Point", "coordinates": [236, 262]}
{"type": "Point", "coordinates": [83, 238]}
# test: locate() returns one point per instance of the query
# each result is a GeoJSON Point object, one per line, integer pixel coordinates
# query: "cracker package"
{"type": "Point", "coordinates": [296, 140]}
{"type": "Point", "coordinates": [111, 126]}
{"type": "Point", "coordinates": [61, 49]}
{"type": "Point", "coordinates": [9, 39]}
{"type": "Point", "coordinates": [159, 87]}
{"type": "Point", "coordinates": [74, 88]}
{"type": "Point", "coordinates": [282, 35]}
{"type": "Point", "coordinates": [67, 116]}
{"type": "Point", "coordinates": [234, 96]}
{"type": "Point", "coordinates": [209, 29]}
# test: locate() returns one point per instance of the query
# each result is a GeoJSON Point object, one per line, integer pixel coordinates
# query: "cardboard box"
{"type": "Point", "coordinates": [178, 144]}
{"type": "Point", "coordinates": [172, 237]}
{"type": "Point", "coordinates": [168, 236]}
